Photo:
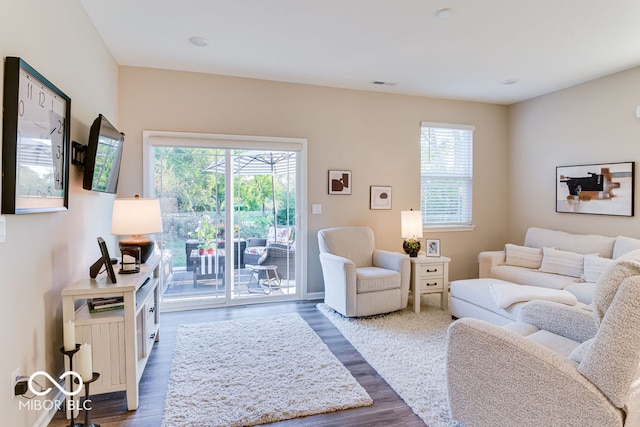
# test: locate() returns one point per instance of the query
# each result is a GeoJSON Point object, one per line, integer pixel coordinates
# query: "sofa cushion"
{"type": "Point", "coordinates": [522, 256]}
{"type": "Point", "coordinates": [580, 243]}
{"type": "Point", "coordinates": [582, 291]}
{"type": "Point", "coordinates": [594, 265]}
{"type": "Point", "coordinates": [528, 276]}
{"type": "Point", "coordinates": [375, 279]}
{"type": "Point", "coordinates": [476, 292]}
{"type": "Point", "coordinates": [623, 245]}
{"type": "Point", "coordinates": [562, 262]}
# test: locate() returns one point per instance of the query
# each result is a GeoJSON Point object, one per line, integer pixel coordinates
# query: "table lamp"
{"type": "Point", "coordinates": [411, 227]}
{"type": "Point", "coordinates": [135, 217]}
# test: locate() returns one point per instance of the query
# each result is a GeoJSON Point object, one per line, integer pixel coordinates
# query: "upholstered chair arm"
{"type": "Point", "coordinates": [389, 260]}
{"type": "Point", "coordinates": [489, 259]}
{"type": "Point", "coordinates": [339, 283]}
{"type": "Point", "coordinates": [499, 378]}
{"type": "Point", "coordinates": [570, 322]}
{"type": "Point", "coordinates": [397, 262]}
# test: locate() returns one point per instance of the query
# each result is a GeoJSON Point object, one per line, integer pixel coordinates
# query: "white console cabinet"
{"type": "Point", "coordinates": [121, 340]}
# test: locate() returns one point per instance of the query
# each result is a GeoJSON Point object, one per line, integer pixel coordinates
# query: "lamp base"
{"type": "Point", "coordinates": [145, 244]}
{"type": "Point", "coordinates": [411, 247]}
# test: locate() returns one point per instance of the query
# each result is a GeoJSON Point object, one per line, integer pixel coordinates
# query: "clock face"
{"type": "Point", "coordinates": [36, 117]}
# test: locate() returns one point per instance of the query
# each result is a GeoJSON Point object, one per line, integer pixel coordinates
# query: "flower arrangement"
{"type": "Point", "coordinates": [206, 231]}
{"type": "Point", "coordinates": [220, 231]}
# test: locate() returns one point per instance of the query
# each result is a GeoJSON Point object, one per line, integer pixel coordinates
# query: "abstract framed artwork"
{"type": "Point", "coordinates": [380, 197]}
{"type": "Point", "coordinates": [598, 189]}
{"type": "Point", "coordinates": [340, 182]}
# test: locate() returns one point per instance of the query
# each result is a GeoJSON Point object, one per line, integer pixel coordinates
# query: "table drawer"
{"type": "Point", "coordinates": [434, 285]}
{"type": "Point", "coordinates": [431, 270]}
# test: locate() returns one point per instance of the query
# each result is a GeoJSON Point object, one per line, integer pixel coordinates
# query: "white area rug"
{"type": "Point", "coordinates": [255, 371]}
{"type": "Point", "coordinates": [407, 350]}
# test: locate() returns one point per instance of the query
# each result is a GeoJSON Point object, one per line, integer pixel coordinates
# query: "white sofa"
{"type": "Point", "coordinates": [548, 259]}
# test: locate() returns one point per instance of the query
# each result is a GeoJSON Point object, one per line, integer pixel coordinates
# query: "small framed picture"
{"type": "Point", "coordinates": [380, 197]}
{"type": "Point", "coordinates": [433, 247]}
{"type": "Point", "coordinates": [340, 182]}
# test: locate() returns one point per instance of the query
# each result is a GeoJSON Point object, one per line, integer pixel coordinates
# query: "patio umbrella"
{"type": "Point", "coordinates": [252, 163]}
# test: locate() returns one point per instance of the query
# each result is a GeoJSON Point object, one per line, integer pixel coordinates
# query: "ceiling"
{"type": "Point", "coordinates": [498, 51]}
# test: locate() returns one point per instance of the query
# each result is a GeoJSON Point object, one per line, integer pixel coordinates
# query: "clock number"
{"type": "Point", "coordinates": [59, 126]}
{"type": "Point", "coordinates": [29, 90]}
{"type": "Point", "coordinates": [41, 99]}
{"type": "Point", "coordinates": [21, 108]}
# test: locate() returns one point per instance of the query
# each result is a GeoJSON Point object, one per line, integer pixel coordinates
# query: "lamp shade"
{"type": "Point", "coordinates": [136, 216]}
{"type": "Point", "coordinates": [411, 224]}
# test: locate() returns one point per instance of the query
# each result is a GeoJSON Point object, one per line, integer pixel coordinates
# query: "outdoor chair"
{"type": "Point", "coordinates": [559, 365]}
{"type": "Point", "coordinates": [256, 247]}
{"type": "Point", "coordinates": [360, 280]}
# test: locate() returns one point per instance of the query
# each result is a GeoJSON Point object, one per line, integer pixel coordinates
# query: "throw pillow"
{"type": "Point", "coordinates": [523, 256]}
{"type": "Point", "coordinates": [594, 266]}
{"type": "Point", "coordinates": [562, 262]}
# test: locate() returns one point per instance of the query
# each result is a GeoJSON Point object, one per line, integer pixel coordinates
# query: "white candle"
{"type": "Point", "coordinates": [128, 262]}
{"type": "Point", "coordinates": [69, 335]}
{"type": "Point", "coordinates": [85, 369]}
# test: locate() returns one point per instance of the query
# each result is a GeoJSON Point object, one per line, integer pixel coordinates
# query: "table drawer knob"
{"type": "Point", "coordinates": [435, 270]}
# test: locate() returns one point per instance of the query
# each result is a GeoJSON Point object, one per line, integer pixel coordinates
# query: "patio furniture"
{"type": "Point", "coordinates": [269, 278]}
{"type": "Point", "coordinates": [239, 245]}
{"type": "Point", "coordinates": [256, 248]}
{"type": "Point", "coordinates": [207, 266]}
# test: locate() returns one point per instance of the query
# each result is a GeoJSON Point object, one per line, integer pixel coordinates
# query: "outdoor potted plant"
{"type": "Point", "coordinates": [206, 233]}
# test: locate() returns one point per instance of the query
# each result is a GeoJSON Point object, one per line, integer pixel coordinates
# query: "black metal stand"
{"type": "Point", "coordinates": [69, 354]}
{"type": "Point", "coordinates": [87, 413]}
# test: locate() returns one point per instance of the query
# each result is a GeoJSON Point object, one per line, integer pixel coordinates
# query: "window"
{"type": "Point", "coordinates": [446, 174]}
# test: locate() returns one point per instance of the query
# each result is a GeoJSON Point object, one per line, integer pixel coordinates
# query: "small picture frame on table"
{"type": "Point", "coordinates": [432, 247]}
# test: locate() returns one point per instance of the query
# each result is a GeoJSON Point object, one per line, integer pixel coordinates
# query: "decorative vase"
{"type": "Point", "coordinates": [412, 247]}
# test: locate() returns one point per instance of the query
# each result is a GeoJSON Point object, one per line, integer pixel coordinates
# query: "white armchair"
{"type": "Point", "coordinates": [558, 365]}
{"type": "Point", "coordinates": [360, 280]}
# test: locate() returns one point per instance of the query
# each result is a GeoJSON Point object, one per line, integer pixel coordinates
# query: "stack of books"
{"type": "Point", "coordinates": [97, 305]}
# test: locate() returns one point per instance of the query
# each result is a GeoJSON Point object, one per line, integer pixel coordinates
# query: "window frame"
{"type": "Point", "coordinates": [448, 226]}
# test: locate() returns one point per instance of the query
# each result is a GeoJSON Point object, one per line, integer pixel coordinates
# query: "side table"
{"type": "Point", "coordinates": [429, 275]}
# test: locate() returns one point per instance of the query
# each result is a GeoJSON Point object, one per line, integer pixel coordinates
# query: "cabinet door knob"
{"type": "Point", "coordinates": [152, 336]}
{"type": "Point", "coordinates": [152, 309]}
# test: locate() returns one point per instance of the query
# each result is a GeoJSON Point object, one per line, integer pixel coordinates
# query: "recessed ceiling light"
{"type": "Point", "coordinates": [198, 41]}
{"type": "Point", "coordinates": [509, 82]}
{"type": "Point", "coordinates": [444, 13]}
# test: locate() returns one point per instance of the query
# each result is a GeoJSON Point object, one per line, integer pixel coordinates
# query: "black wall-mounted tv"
{"type": "Point", "coordinates": [103, 156]}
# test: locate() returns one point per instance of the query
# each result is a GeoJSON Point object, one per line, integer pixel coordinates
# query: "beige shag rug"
{"type": "Point", "coordinates": [255, 371]}
{"type": "Point", "coordinates": [407, 349]}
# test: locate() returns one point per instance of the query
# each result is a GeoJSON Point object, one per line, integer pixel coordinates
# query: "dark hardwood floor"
{"type": "Point", "coordinates": [110, 410]}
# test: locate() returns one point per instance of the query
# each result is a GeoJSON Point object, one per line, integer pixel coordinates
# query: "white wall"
{"type": "Point", "coordinates": [590, 123]}
{"type": "Point", "coordinates": [375, 135]}
{"type": "Point", "coordinates": [45, 252]}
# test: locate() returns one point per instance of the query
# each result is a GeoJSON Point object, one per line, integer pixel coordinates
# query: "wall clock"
{"type": "Point", "coordinates": [35, 142]}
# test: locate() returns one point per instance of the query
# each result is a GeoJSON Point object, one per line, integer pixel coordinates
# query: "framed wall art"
{"type": "Point", "coordinates": [340, 182]}
{"type": "Point", "coordinates": [432, 247]}
{"type": "Point", "coordinates": [599, 189]}
{"type": "Point", "coordinates": [35, 142]}
{"type": "Point", "coordinates": [380, 197]}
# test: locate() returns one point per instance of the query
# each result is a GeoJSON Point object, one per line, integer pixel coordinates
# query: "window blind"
{"type": "Point", "coordinates": [446, 174]}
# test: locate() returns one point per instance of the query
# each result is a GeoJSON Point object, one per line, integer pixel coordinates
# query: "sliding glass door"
{"type": "Point", "coordinates": [231, 216]}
